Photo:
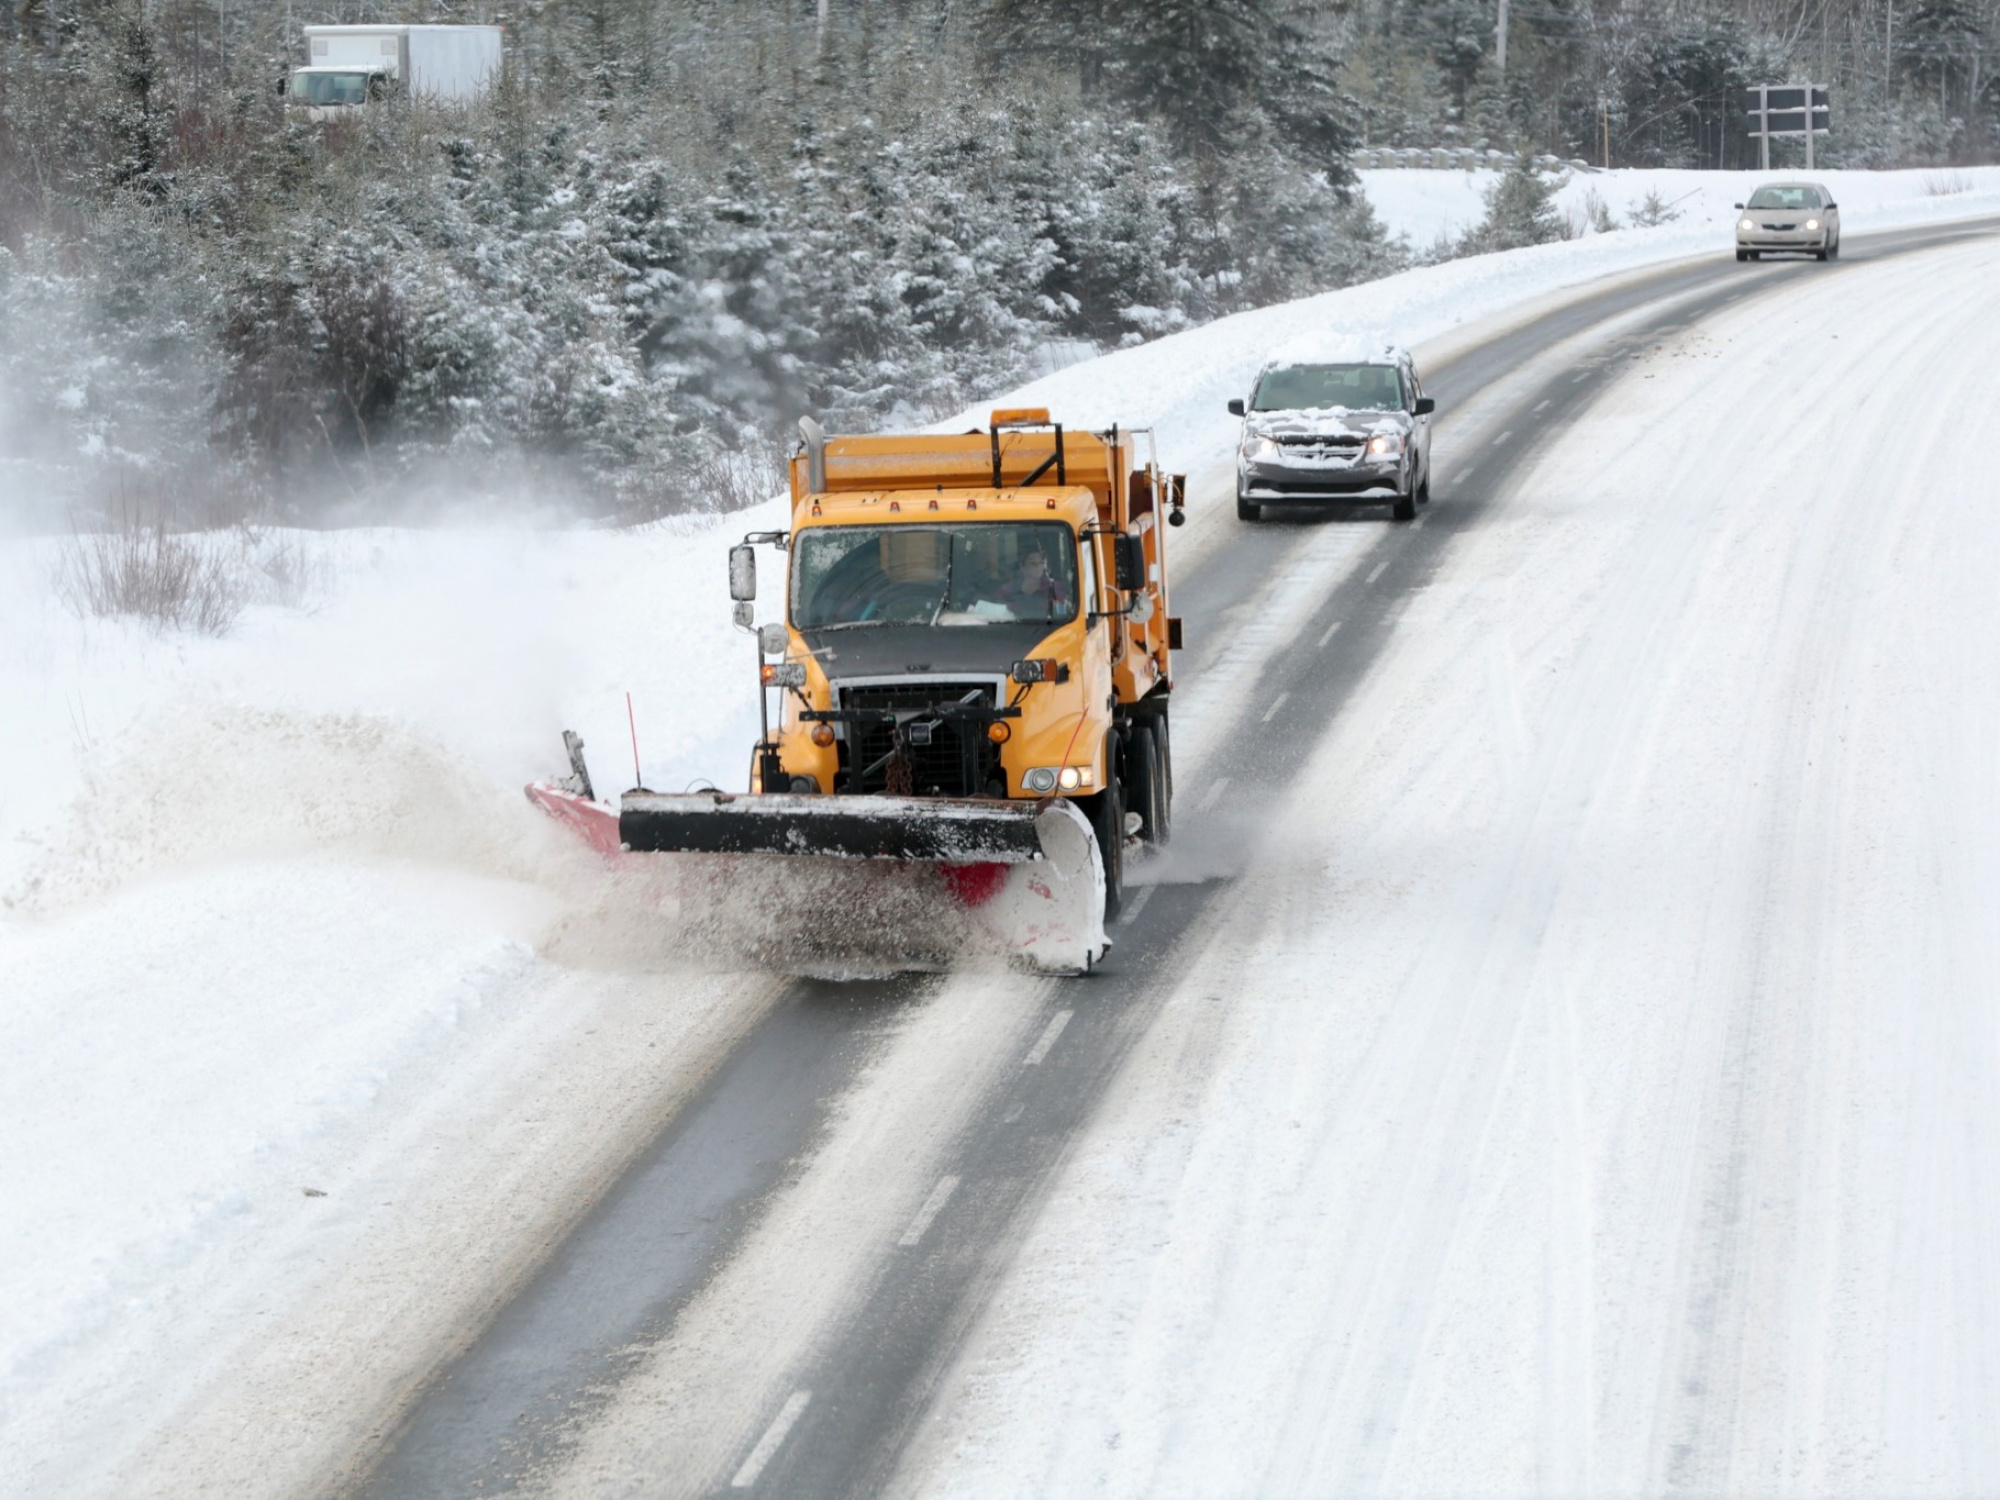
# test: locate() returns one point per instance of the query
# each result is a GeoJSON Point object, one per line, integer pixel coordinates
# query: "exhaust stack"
{"type": "Point", "coordinates": [815, 436]}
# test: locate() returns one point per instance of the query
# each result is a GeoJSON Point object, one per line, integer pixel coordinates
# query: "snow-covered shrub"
{"type": "Point", "coordinates": [187, 581]}
{"type": "Point", "coordinates": [1520, 210]}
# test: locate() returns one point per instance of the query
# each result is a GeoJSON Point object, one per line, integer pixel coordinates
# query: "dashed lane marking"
{"type": "Point", "coordinates": [1461, 476]}
{"type": "Point", "coordinates": [773, 1438]}
{"type": "Point", "coordinates": [1581, 376]}
{"type": "Point", "coordinates": [1380, 568]}
{"type": "Point", "coordinates": [1327, 635]}
{"type": "Point", "coordinates": [1137, 904]}
{"type": "Point", "coordinates": [1503, 437]}
{"type": "Point", "coordinates": [940, 1195]}
{"type": "Point", "coordinates": [1014, 1112]}
{"type": "Point", "coordinates": [1048, 1038]}
{"type": "Point", "coordinates": [1544, 403]}
{"type": "Point", "coordinates": [1214, 793]}
{"type": "Point", "coordinates": [1276, 704]}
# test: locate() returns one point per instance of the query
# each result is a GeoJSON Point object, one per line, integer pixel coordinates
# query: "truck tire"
{"type": "Point", "coordinates": [1163, 742]}
{"type": "Point", "coordinates": [1248, 510]}
{"type": "Point", "coordinates": [1146, 785]}
{"type": "Point", "coordinates": [1107, 821]}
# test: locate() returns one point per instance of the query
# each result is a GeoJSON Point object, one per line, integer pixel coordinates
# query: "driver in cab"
{"type": "Point", "coordinates": [1032, 588]}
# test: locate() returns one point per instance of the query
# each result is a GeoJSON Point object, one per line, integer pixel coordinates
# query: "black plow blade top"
{"type": "Point", "coordinates": [950, 831]}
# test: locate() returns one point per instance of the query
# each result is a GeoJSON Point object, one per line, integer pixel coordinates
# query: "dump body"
{"type": "Point", "coordinates": [349, 66]}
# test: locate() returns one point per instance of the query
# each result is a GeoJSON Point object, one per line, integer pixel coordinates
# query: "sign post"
{"type": "Point", "coordinates": [1788, 109]}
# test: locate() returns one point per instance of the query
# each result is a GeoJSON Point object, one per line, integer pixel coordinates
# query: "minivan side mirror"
{"type": "Point", "coordinates": [1236, 407]}
{"type": "Point", "coordinates": [1738, 205]}
{"type": "Point", "coordinates": [1831, 207]}
{"type": "Point", "coordinates": [1425, 406]}
{"type": "Point", "coordinates": [742, 572]}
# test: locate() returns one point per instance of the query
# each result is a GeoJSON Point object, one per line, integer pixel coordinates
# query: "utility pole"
{"type": "Point", "coordinates": [1501, 39]}
{"type": "Point", "coordinates": [1889, 55]}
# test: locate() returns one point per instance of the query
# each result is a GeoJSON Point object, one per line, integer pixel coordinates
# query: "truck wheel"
{"type": "Point", "coordinates": [1107, 821]}
{"type": "Point", "coordinates": [1148, 794]}
{"type": "Point", "coordinates": [1405, 508]}
{"type": "Point", "coordinates": [1248, 510]}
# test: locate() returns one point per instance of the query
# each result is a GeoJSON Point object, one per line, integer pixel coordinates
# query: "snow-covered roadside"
{"type": "Point", "coordinates": [282, 887]}
{"type": "Point", "coordinates": [1595, 1097]}
{"type": "Point", "coordinates": [1426, 206]}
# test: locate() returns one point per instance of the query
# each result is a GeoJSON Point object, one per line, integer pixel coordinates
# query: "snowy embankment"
{"type": "Point", "coordinates": [269, 897]}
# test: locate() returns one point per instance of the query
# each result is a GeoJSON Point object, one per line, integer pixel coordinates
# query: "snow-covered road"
{"type": "Point", "coordinates": [1595, 1090]}
{"type": "Point", "coordinates": [1584, 1090]}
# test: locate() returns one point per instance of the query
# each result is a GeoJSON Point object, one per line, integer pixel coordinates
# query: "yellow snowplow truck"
{"type": "Point", "coordinates": [971, 680]}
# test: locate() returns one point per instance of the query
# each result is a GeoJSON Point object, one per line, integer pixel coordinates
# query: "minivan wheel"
{"type": "Point", "coordinates": [1405, 508]}
{"type": "Point", "coordinates": [1248, 510]}
{"type": "Point", "coordinates": [1742, 255]}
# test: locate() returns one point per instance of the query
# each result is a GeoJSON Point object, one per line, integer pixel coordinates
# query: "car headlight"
{"type": "Point", "coordinates": [1386, 445]}
{"type": "Point", "coordinates": [1746, 224]}
{"type": "Point", "coordinates": [1256, 446]}
{"type": "Point", "coordinates": [1045, 779]}
{"type": "Point", "coordinates": [1812, 223]}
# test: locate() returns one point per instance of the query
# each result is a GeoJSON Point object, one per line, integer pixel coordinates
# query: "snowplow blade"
{"type": "Point", "coordinates": [1004, 833]}
{"type": "Point", "coordinates": [889, 882]}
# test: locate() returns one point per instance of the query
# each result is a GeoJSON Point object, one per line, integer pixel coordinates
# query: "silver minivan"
{"type": "Point", "coordinates": [1352, 433]}
{"type": "Point", "coordinates": [1788, 218]}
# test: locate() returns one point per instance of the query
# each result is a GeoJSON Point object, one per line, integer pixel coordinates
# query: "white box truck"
{"type": "Point", "coordinates": [348, 66]}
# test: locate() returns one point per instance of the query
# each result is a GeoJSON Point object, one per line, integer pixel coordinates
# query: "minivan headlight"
{"type": "Point", "coordinates": [1256, 446]}
{"type": "Point", "coordinates": [1386, 445]}
{"type": "Point", "coordinates": [1746, 224]}
{"type": "Point", "coordinates": [1812, 223]}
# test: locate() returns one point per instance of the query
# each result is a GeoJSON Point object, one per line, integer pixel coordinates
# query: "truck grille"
{"type": "Point", "coordinates": [958, 761]}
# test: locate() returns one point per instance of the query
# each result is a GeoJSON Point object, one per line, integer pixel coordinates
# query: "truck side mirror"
{"type": "Point", "coordinates": [1425, 406]}
{"type": "Point", "coordinates": [743, 572]}
{"type": "Point", "coordinates": [1129, 554]}
{"type": "Point", "coordinates": [1236, 407]}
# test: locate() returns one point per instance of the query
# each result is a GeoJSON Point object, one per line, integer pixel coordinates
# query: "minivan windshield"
{"type": "Point", "coordinates": [330, 88]}
{"type": "Point", "coordinates": [1785, 197]}
{"type": "Point", "coordinates": [1307, 387]}
{"type": "Point", "coordinates": [966, 573]}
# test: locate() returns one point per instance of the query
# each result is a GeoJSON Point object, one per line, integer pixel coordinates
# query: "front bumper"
{"type": "Point", "coordinates": [1279, 484]}
{"type": "Point", "coordinates": [1796, 241]}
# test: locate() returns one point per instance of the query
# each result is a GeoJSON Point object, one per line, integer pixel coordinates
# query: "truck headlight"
{"type": "Point", "coordinates": [1045, 779]}
{"type": "Point", "coordinates": [1256, 447]}
{"type": "Point", "coordinates": [1386, 445]}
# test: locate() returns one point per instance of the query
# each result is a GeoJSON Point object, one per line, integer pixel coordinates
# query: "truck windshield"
{"type": "Point", "coordinates": [1312, 387]}
{"type": "Point", "coordinates": [956, 574]}
{"type": "Point", "coordinates": [330, 88]}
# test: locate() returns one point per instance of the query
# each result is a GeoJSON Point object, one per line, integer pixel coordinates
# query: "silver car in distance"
{"type": "Point", "coordinates": [1788, 218]}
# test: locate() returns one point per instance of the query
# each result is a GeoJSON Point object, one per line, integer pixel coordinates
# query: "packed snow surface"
{"type": "Point", "coordinates": [301, 997]}
{"type": "Point", "coordinates": [1593, 1092]}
